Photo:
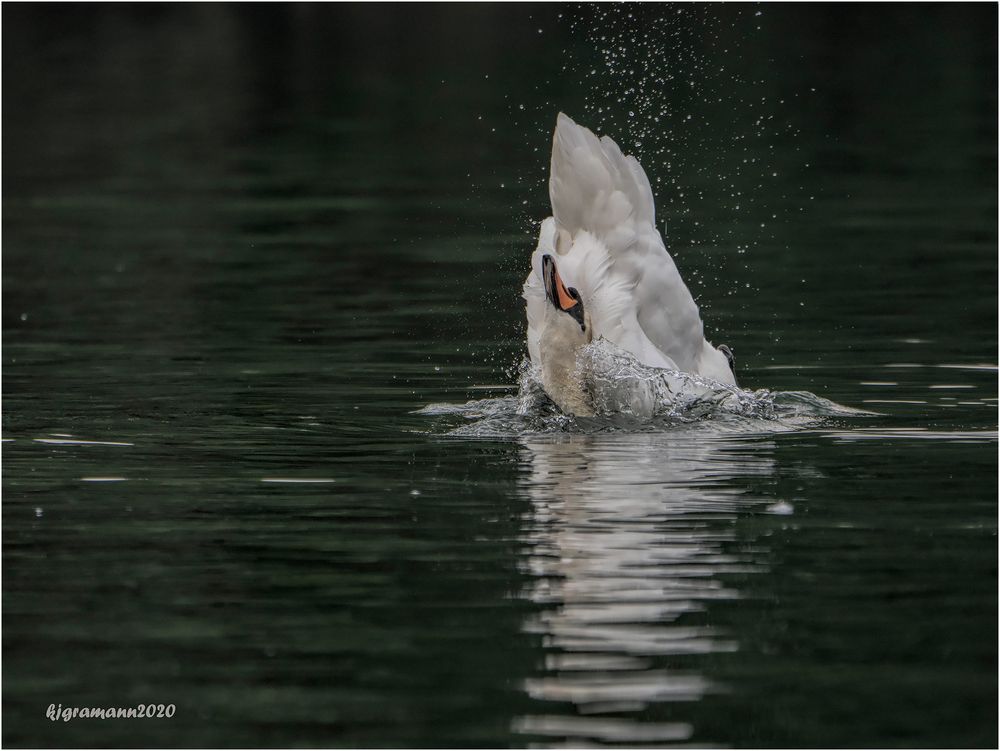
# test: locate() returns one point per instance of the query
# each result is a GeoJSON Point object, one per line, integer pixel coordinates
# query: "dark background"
{"type": "Point", "coordinates": [250, 240]}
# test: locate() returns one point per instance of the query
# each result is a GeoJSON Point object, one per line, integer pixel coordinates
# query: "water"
{"type": "Point", "coordinates": [246, 248]}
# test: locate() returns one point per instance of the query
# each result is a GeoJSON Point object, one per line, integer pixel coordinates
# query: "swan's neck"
{"type": "Point", "coordinates": [563, 375]}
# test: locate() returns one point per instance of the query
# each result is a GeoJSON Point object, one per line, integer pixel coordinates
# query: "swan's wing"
{"type": "Point", "coordinates": [597, 189]}
{"type": "Point", "coordinates": [594, 187]}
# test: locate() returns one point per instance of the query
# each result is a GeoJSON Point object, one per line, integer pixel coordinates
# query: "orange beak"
{"type": "Point", "coordinates": [555, 290]}
{"type": "Point", "coordinates": [564, 298]}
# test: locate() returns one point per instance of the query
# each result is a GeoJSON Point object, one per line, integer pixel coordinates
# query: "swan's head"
{"type": "Point", "coordinates": [565, 301]}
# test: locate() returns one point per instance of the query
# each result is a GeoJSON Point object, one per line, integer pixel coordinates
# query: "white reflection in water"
{"type": "Point", "coordinates": [628, 535]}
{"type": "Point", "coordinates": [79, 442]}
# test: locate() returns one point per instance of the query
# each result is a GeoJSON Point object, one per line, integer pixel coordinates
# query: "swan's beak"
{"type": "Point", "coordinates": [562, 297]}
{"type": "Point", "coordinates": [555, 290]}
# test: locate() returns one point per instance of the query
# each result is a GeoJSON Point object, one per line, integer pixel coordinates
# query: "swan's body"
{"type": "Point", "coordinates": [602, 238]}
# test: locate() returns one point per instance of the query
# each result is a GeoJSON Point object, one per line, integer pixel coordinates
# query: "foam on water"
{"type": "Point", "coordinates": [632, 397]}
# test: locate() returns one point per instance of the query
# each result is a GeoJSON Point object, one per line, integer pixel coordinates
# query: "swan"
{"type": "Point", "coordinates": [600, 270]}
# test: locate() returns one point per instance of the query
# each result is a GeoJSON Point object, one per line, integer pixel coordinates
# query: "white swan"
{"type": "Point", "coordinates": [601, 270]}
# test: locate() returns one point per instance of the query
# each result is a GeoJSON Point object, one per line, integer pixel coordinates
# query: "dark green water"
{"type": "Point", "coordinates": [243, 245]}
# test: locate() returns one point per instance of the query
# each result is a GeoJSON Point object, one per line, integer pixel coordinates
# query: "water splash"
{"type": "Point", "coordinates": [631, 397]}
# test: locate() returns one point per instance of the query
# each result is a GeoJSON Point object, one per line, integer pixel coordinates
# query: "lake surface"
{"type": "Point", "coordinates": [244, 247]}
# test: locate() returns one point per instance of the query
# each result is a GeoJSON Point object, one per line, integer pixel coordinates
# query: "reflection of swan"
{"type": "Point", "coordinates": [629, 536]}
{"type": "Point", "coordinates": [601, 270]}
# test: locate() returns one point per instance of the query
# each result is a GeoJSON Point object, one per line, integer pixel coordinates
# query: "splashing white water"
{"type": "Point", "coordinates": [630, 396]}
